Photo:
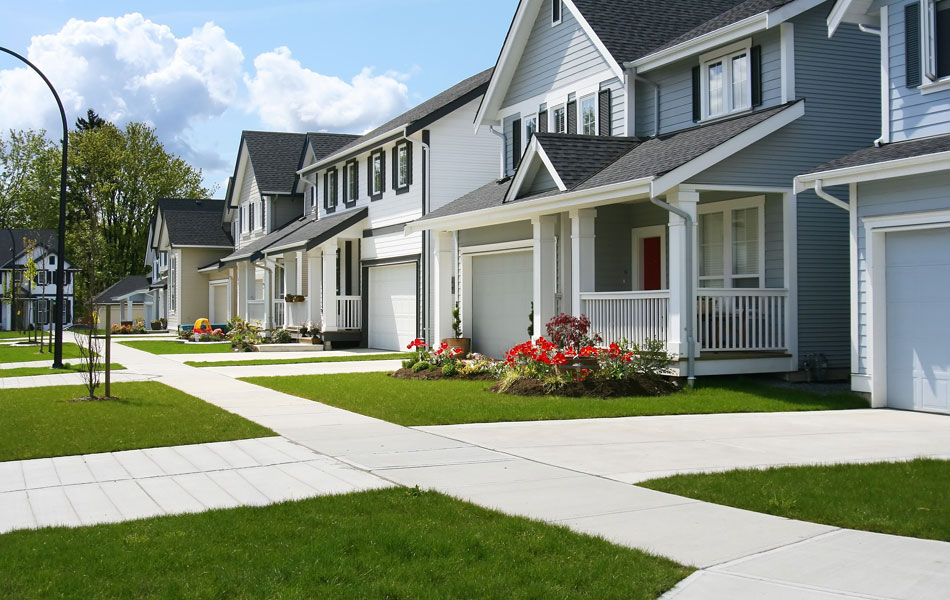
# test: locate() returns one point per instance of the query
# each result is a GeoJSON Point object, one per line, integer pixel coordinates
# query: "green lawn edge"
{"type": "Point", "coordinates": [298, 361]}
{"type": "Point", "coordinates": [31, 371]}
{"type": "Point", "coordinates": [448, 402]}
{"type": "Point", "coordinates": [14, 354]}
{"type": "Point", "coordinates": [161, 347]}
{"type": "Point", "coordinates": [44, 422]}
{"type": "Point", "coordinates": [899, 498]}
{"type": "Point", "coordinates": [391, 543]}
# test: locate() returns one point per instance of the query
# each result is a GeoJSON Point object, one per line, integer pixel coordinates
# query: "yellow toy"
{"type": "Point", "coordinates": [202, 326]}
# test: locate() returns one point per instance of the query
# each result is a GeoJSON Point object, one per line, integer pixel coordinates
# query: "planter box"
{"type": "Point", "coordinates": [464, 343]}
{"type": "Point", "coordinates": [314, 340]}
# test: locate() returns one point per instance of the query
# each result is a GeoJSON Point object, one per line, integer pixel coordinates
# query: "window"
{"type": "Point", "coordinates": [351, 182]}
{"type": "Point", "coordinates": [313, 198]}
{"type": "Point", "coordinates": [530, 126]}
{"type": "Point", "coordinates": [377, 175]}
{"type": "Point", "coordinates": [330, 187]}
{"type": "Point", "coordinates": [557, 9]}
{"type": "Point", "coordinates": [731, 245]}
{"type": "Point", "coordinates": [558, 124]}
{"type": "Point", "coordinates": [67, 310]}
{"type": "Point", "coordinates": [402, 178]}
{"type": "Point", "coordinates": [164, 258]}
{"type": "Point", "coordinates": [727, 81]}
{"type": "Point", "coordinates": [263, 223]}
{"type": "Point", "coordinates": [936, 39]}
{"type": "Point", "coordinates": [589, 116]}
{"type": "Point", "coordinates": [42, 312]}
{"type": "Point", "coordinates": [172, 288]}
{"type": "Point", "coordinates": [52, 260]}
{"type": "Point", "coordinates": [41, 278]}
{"type": "Point", "coordinates": [251, 223]}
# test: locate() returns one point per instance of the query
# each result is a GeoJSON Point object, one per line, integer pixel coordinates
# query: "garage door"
{"type": "Point", "coordinates": [392, 306]}
{"type": "Point", "coordinates": [918, 320]}
{"type": "Point", "coordinates": [502, 291]}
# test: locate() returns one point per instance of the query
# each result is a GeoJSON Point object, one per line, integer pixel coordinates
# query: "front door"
{"type": "Point", "coordinates": [652, 265]}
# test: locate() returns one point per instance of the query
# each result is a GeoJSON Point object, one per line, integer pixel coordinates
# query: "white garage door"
{"type": "Point", "coordinates": [392, 306]}
{"type": "Point", "coordinates": [502, 291]}
{"type": "Point", "coordinates": [918, 320]}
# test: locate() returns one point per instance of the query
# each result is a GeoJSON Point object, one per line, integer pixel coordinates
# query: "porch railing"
{"type": "Point", "coordinates": [349, 312]}
{"type": "Point", "coordinates": [738, 319]}
{"type": "Point", "coordinates": [634, 316]}
{"type": "Point", "coordinates": [280, 311]}
{"type": "Point", "coordinates": [255, 310]}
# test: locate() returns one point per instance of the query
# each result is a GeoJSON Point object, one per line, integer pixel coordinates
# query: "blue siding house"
{"type": "Point", "coordinates": [648, 154]}
{"type": "Point", "coordinates": [898, 200]}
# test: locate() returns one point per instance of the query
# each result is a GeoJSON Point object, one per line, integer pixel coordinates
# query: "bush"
{"type": "Point", "coordinates": [450, 369]}
{"type": "Point", "coordinates": [566, 331]}
{"type": "Point", "coordinates": [651, 360]}
{"type": "Point", "coordinates": [421, 366]}
{"type": "Point", "coordinates": [408, 363]}
{"type": "Point", "coordinates": [243, 336]}
{"type": "Point", "coordinates": [282, 336]}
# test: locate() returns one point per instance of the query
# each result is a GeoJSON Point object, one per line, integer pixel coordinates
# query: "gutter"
{"type": "Point", "coordinates": [504, 150]}
{"type": "Point", "coordinates": [632, 70]}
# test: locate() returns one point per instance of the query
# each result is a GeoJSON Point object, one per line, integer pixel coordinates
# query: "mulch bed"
{"type": "Point", "coordinates": [590, 388]}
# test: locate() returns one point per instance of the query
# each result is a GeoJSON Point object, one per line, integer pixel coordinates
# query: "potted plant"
{"type": "Point", "coordinates": [310, 334]}
{"type": "Point", "coordinates": [458, 341]}
{"type": "Point", "coordinates": [289, 298]}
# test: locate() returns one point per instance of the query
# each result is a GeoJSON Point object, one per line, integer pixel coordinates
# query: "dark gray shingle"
{"type": "Point", "coordinates": [194, 222]}
{"type": "Point", "coordinates": [887, 152]}
{"type": "Point", "coordinates": [126, 285]}
{"type": "Point", "coordinates": [577, 157]}
{"type": "Point", "coordinates": [275, 158]}
{"type": "Point", "coordinates": [324, 144]}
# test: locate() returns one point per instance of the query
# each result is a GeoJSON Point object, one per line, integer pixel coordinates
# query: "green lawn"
{"type": "Point", "coordinates": [29, 371]}
{"type": "Point", "coordinates": [173, 347]}
{"type": "Point", "coordinates": [298, 361]}
{"type": "Point", "coordinates": [42, 422]}
{"type": "Point", "coordinates": [415, 402]}
{"type": "Point", "coordinates": [8, 335]}
{"type": "Point", "coordinates": [393, 543]}
{"type": "Point", "coordinates": [12, 354]}
{"type": "Point", "coordinates": [903, 498]}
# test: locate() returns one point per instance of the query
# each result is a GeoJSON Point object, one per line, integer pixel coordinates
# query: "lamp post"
{"type": "Point", "coordinates": [61, 245]}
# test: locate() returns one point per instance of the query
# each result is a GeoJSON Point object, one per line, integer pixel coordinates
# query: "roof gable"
{"type": "Point", "coordinates": [194, 223]}
{"type": "Point", "coordinates": [44, 238]}
{"type": "Point", "coordinates": [274, 158]}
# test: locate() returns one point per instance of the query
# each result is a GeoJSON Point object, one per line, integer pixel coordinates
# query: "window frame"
{"type": "Point", "coordinates": [726, 208]}
{"type": "Point", "coordinates": [931, 78]}
{"type": "Point", "coordinates": [557, 12]}
{"type": "Point", "coordinates": [331, 196]}
{"type": "Point", "coordinates": [402, 186]}
{"type": "Point", "coordinates": [528, 131]}
{"type": "Point", "coordinates": [377, 157]}
{"type": "Point", "coordinates": [351, 182]}
{"type": "Point", "coordinates": [582, 125]}
{"type": "Point", "coordinates": [726, 56]}
{"type": "Point", "coordinates": [562, 108]}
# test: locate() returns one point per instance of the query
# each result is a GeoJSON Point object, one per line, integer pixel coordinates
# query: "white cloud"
{"type": "Point", "coordinates": [126, 69]}
{"type": "Point", "coordinates": [289, 97]}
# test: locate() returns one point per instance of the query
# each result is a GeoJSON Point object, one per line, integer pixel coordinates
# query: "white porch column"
{"type": "Point", "coordinates": [681, 306]}
{"type": "Point", "coordinates": [268, 294]}
{"type": "Point", "coordinates": [315, 287]}
{"type": "Point", "coordinates": [242, 286]}
{"type": "Point", "coordinates": [329, 288]}
{"type": "Point", "coordinates": [130, 309]}
{"type": "Point", "coordinates": [582, 256]}
{"type": "Point", "coordinates": [545, 265]}
{"type": "Point", "coordinates": [442, 298]}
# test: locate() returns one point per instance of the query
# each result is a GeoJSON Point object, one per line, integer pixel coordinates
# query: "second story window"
{"type": "Point", "coordinates": [589, 116]}
{"type": "Point", "coordinates": [402, 159]}
{"type": "Point", "coordinates": [351, 181]}
{"type": "Point", "coordinates": [252, 224]}
{"type": "Point", "coordinates": [557, 10]}
{"type": "Point", "coordinates": [726, 81]}
{"type": "Point", "coordinates": [330, 187]}
{"type": "Point", "coordinates": [558, 120]}
{"type": "Point", "coordinates": [530, 126]}
{"type": "Point", "coordinates": [377, 175]}
{"type": "Point", "coordinates": [936, 39]}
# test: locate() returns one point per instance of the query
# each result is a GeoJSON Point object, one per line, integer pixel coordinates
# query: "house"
{"type": "Point", "coordinates": [649, 155]}
{"type": "Point", "coordinates": [898, 203]}
{"type": "Point", "coordinates": [186, 234]}
{"type": "Point", "coordinates": [29, 303]}
{"type": "Point", "coordinates": [128, 299]}
{"type": "Point", "coordinates": [265, 202]}
{"type": "Point", "coordinates": [346, 264]}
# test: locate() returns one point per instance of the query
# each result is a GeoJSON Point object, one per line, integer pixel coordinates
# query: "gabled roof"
{"type": "Point", "coordinates": [275, 158]}
{"type": "Point", "coordinates": [575, 157]}
{"type": "Point", "coordinates": [314, 232]}
{"type": "Point", "coordinates": [421, 115]}
{"type": "Point", "coordinates": [324, 144]}
{"type": "Point", "coordinates": [652, 161]}
{"type": "Point", "coordinates": [194, 222]}
{"type": "Point", "coordinates": [11, 242]}
{"type": "Point", "coordinates": [123, 287]}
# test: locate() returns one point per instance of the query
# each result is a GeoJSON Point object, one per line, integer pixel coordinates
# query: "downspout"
{"type": "Point", "coordinates": [504, 150]}
{"type": "Point", "coordinates": [426, 235]}
{"type": "Point", "coordinates": [873, 31]}
{"type": "Point", "coordinates": [826, 196]}
{"type": "Point", "coordinates": [690, 287]}
{"type": "Point", "coordinates": [656, 96]}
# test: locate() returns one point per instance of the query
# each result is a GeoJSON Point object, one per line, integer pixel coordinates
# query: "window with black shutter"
{"type": "Point", "coordinates": [376, 175]}
{"type": "Point", "coordinates": [543, 121]}
{"type": "Point", "coordinates": [402, 167]}
{"type": "Point", "coordinates": [912, 68]}
{"type": "Point", "coordinates": [604, 108]}
{"type": "Point", "coordinates": [697, 95]}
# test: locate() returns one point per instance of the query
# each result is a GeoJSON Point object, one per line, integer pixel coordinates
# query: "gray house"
{"type": "Point", "coordinates": [649, 150]}
{"type": "Point", "coordinates": [898, 202]}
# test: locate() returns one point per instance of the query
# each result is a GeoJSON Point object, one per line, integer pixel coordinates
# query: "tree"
{"type": "Point", "coordinates": [92, 121]}
{"type": "Point", "coordinates": [29, 181]}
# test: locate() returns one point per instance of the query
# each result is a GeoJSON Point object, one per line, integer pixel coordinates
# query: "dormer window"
{"type": "Point", "coordinates": [557, 10]}
{"type": "Point", "coordinates": [589, 116]}
{"type": "Point", "coordinates": [726, 81]}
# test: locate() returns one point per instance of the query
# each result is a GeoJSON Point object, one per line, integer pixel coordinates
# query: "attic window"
{"type": "Point", "coordinates": [557, 8]}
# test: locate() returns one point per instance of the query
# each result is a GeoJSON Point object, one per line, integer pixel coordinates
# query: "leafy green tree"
{"type": "Point", "coordinates": [29, 180]}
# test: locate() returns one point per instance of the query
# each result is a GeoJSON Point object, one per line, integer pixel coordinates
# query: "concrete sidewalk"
{"type": "Point", "coordinates": [34, 381]}
{"type": "Point", "coordinates": [742, 554]}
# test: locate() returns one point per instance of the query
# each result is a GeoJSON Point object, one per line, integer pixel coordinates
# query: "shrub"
{"type": "Point", "coordinates": [244, 336]}
{"type": "Point", "coordinates": [450, 369]}
{"type": "Point", "coordinates": [651, 360]}
{"type": "Point", "coordinates": [569, 332]}
{"type": "Point", "coordinates": [282, 336]}
{"type": "Point", "coordinates": [420, 366]}
{"type": "Point", "coordinates": [478, 364]}
{"type": "Point", "coordinates": [408, 363]}
{"type": "Point", "coordinates": [156, 325]}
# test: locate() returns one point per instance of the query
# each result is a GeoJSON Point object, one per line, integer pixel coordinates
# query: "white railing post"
{"type": "Point", "coordinates": [545, 263]}
{"type": "Point", "coordinates": [743, 319]}
{"type": "Point", "coordinates": [632, 316]}
{"type": "Point", "coordinates": [329, 287]}
{"type": "Point", "coordinates": [682, 307]}
{"type": "Point", "coordinates": [582, 256]}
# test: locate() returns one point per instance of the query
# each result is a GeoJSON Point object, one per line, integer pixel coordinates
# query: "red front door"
{"type": "Point", "coordinates": [652, 268]}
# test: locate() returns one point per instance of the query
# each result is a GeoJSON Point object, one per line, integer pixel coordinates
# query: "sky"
{"type": "Point", "coordinates": [201, 72]}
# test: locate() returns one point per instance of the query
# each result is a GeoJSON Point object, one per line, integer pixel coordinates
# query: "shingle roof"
{"type": "Point", "coordinates": [653, 157]}
{"type": "Point", "coordinates": [325, 144]}
{"type": "Point", "coordinates": [472, 85]}
{"type": "Point", "coordinates": [315, 232]}
{"type": "Point", "coordinates": [275, 158]}
{"type": "Point", "coordinates": [43, 237]}
{"type": "Point", "coordinates": [260, 244]}
{"type": "Point", "coordinates": [888, 152]}
{"type": "Point", "coordinates": [576, 157]}
{"type": "Point", "coordinates": [194, 222]}
{"type": "Point", "coordinates": [628, 36]}
{"type": "Point", "coordinates": [122, 287]}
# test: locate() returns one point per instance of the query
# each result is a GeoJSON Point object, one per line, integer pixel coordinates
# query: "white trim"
{"type": "Point", "coordinates": [787, 31]}
{"type": "Point", "coordinates": [791, 10]}
{"type": "Point", "coordinates": [855, 284]}
{"type": "Point", "coordinates": [525, 244]}
{"type": "Point", "coordinates": [935, 86]}
{"type": "Point", "coordinates": [640, 233]}
{"type": "Point", "coordinates": [885, 77]}
{"type": "Point", "coordinates": [726, 57]}
{"type": "Point", "coordinates": [533, 154]}
{"type": "Point", "coordinates": [902, 167]}
{"type": "Point", "coordinates": [555, 97]}
{"type": "Point", "coordinates": [726, 207]}
{"type": "Point", "coordinates": [724, 50]}
{"type": "Point", "coordinates": [837, 15]}
{"type": "Point", "coordinates": [900, 222]}
{"type": "Point", "coordinates": [790, 270]}
{"type": "Point", "coordinates": [728, 148]}
{"type": "Point", "coordinates": [608, 57]}
{"type": "Point", "coordinates": [550, 166]}
{"type": "Point", "coordinates": [861, 383]}
{"type": "Point", "coordinates": [707, 41]}
{"type": "Point", "coordinates": [560, 15]}
{"type": "Point", "coordinates": [755, 189]}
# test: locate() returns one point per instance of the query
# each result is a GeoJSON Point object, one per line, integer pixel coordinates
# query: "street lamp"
{"type": "Point", "coordinates": [61, 245]}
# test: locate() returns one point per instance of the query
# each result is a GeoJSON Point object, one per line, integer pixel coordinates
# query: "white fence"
{"type": "Point", "coordinates": [349, 312]}
{"type": "Point", "coordinates": [737, 319]}
{"type": "Point", "coordinates": [255, 310]}
{"type": "Point", "coordinates": [634, 316]}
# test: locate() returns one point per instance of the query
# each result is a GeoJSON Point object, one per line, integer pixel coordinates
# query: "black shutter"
{"type": "Point", "coordinates": [572, 117]}
{"type": "Point", "coordinates": [697, 99]}
{"type": "Point", "coordinates": [942, 25]}
{"type": "Point", "coordinates": [369, 175]}
{"type": "Point", "coordinates": [409, 160]}
{"type": "Point", "coordinates": [543, 121]}
{"type": "Point", "coordinates": [326, 190]}
{"type": "Point", "coordinates": [516, 143]}
{"type": "Point", "coordinates": [355, 169]}
{"type": "Point", "coordinates": [396, 167]}
{"type": "Point", "coordinates": [912, 57]}
{"type": "Point", "coordinates": [755, 72]}
{"type": "Point", "coordinates": [382, 168]}
{"type": "Point", "coordinates": [604, 125]}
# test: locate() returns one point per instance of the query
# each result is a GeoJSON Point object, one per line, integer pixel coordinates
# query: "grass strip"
{"type": "Point", "coordinates": [298, 361]}
{"type": "Point", "coordinates": [31, 371]}
{"type": "Point", "coordinates": [899, 498]}
{"type": "Point", "coordinates": [173, 347]}
{"type": "Point", "coordinates": [445, 402]}
{"type": "Point", "coordinates": [43, 422]}
{"type": "Point", "coordinates": [13, 354]}
{"type": "Point", "coordinates": [392, 543]}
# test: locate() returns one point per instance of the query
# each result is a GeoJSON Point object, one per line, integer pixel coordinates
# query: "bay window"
{"type": "Point", "coordinates": [731, 243]}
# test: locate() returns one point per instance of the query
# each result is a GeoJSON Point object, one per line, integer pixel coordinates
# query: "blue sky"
{"type": "Point", "coordinates": [201, 75]}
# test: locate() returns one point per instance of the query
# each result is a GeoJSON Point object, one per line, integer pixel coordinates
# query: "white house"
{"type": "Point", "coordinates": [30, 303]}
